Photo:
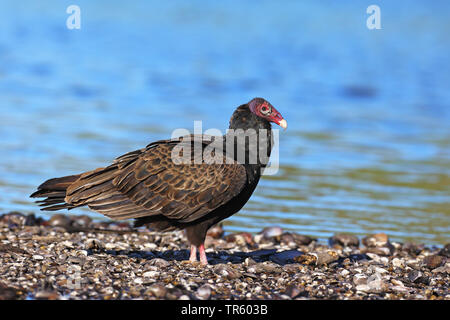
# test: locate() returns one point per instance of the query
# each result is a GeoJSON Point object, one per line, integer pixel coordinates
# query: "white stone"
{"type": "Point", "coordinates": [396, 262]}
{"type": "Point", "coordinates": [345, 273]}
{"type": "Point", "coordinates": [150, 274]}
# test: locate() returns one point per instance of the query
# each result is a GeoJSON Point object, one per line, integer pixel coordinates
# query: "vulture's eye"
{"type": "Point", "coordinates": [265, 110]}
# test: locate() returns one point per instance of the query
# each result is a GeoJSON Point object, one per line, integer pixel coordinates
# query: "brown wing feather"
{"type": "Point", "coordinates": [146, 182]}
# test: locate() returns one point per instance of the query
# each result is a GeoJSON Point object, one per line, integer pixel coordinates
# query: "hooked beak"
{"type": "Point", "coordinates": [283, 124]}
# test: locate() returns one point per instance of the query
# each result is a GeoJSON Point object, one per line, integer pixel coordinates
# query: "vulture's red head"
{"type": "Point", "coordinates": [262, 108]}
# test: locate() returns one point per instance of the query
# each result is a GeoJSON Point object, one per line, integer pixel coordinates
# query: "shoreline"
{"type": "Point", "coordinates": [73, 257]}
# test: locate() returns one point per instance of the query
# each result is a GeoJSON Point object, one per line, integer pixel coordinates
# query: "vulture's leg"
{"type": "Point", "coordinates": [193, 256]}
{"type": "Point", "coordinates": [201, 250]}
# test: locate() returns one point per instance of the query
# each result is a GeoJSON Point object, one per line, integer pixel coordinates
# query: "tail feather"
{"type": "Point", "coordinates": [55, 190]}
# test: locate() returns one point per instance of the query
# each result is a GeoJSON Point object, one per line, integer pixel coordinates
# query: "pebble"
{"type": "Point", "coordinates": [443, 269]}
{"type": "Point", "coordinates": [241, 239]}
{"type": "Point", "coordinates": [226, 271]}
{"type": "Point", "coordinates": [345, 240]}
{"type": "Point", "coordinates": [204, 292]}
{"type": "Point", "coordinates": [93, 244]}
{"type": "Point", "coordinates": [158, 290]}
{"type": "Point", "coordinates": [433, 261]}
{"type": "Point", "coordinates": [325, 257]}
{"type": "Point", "coordinates": [344, 272]}
{"type": "Point", "coordinates": [271, 232]}
{"type": "Point", "coordinates": [47, 295]}
{"type": "Point", "coordinates": [293, 291]}
{"type": "Point", "coordinates": [301, 239]}
{"type": "Point", "coordinates": [216, 231]}
{"type": "Point", "coordinates": [415, 276]}
{"type": "Point", "coordinates": [378, 244]}
{"type": "Point", "coordinates": [359, 279]}
{"type": "Point", "coordinates": [285, 257]}
{"type": "Point", "coordinates": [82, 221]}
{"type": "Point", "coordinates": [60, 220]}
{"type": "Point", "coordinates": [150, 274]}
{"type": "Point", "coordinates": [376, 283]}
{"type": "Point", "coordinates": [158, 262]}
{"type": "Point", "coordinates": [445, 251]}
{"type": "Point", "coordinates": [396, 262]}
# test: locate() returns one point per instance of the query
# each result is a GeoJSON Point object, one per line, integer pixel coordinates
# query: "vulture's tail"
{"type": "Point", "coordinates": [55, 191]}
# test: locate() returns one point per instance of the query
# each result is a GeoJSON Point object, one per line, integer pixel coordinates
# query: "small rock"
{"type": "Point", "coordinates": [373, 256]}
{"type": "Point", "coordinates": [216, 231]}
{"type": "Point", "coordinates": [249, 261]}
{"type": "Point", "coordinates": [60, 220]}
{"type": "Point", "coordinates": [157, 290]}
{"type": "Point", "coordinates": [271, 232]}
{"type": "Point", "coordinates": [433, 261]}
{"type": "Point", "coordinates": [397, 282]}
{"type": "Point", "coordinates": [307, 259]}
{"type": "Point", "coordinates": [93, 244]}
{"type": "Point", "coordinates": [345, 240]}
{"type": "Point", "coordinates": [412, 248]}
{"type": "Point", "coordinates": [158, 262]}
{"type": "Point", "coordinates": [226, 271]}
{"type": "Point", "coordinates": [150, 274]}
{"type": "Point", "coordinates": [82, 221]}
{"type": "Point", "coordinates": [38, 257]}
{"type": "Point", "coordinates": [344, 272]}
{"type": "Point", "coordinates": [7, 293]}
{"type": "Point", "coordinates": [378, 269]}
{"type": "Point", "coordinates": [270, 267]}
{"type": "Point", "coordinates": [242, 238]}
{"type": "Point", "coordinates": [376, 283]}
{"type": "Point", "coordinates": [287, 238]}
{"type": "Point", "coordinates": [359, 279]}
{"type": "Point", "coordinates": [326, 257]}
{"type": "Point", "coordinates": [363, 287]}
{"type": "Point", "coordinates": [204, 292]}
{"type": "Point", "coordinates": [293, 291]}
{"type": "Point", "coordinates": [301, 239]}
{"type": "Point", "coordinates": [444, 269]}
{"type": "Point", "coordinates": [415, 276]}
{"type": "Point", "coordinates": [376, 240]}
{"type": "Point", "coordinates": [47, 295]}
{"type": "Point", "coordinates": [396, 262]}
{"type": "Point", "coordinates": [445, 251]}
{"type": "Point", "coordinates": [285, 257]}
{"type": "Point", "coordinates": [261, 254]}
{"type": "Point", "coordinates": [31, 220]}
{"type": "Point", "coordinates": [382, 251]}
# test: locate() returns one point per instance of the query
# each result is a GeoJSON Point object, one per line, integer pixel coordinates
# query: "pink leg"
{"type": "Point", "coordinates": [193, 256]}
{"type": "Point", "coordinates": [202, 253]}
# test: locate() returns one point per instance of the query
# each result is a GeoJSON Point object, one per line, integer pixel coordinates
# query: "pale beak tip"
{"type": "Point", "coordinates": [283, 124]}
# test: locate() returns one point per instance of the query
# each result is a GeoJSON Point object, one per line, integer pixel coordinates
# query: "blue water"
{"type": "Point", "coordinates": [367, 148]}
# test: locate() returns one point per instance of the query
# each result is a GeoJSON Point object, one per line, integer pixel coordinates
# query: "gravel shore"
{"type": "Point", "coordinates": [72, 257]}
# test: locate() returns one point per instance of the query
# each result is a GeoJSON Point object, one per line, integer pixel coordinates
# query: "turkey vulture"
{"type": "Point", "coordinates": [157, 188]}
